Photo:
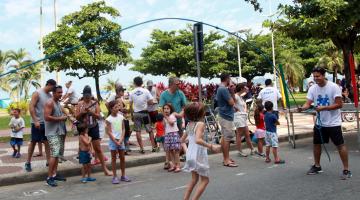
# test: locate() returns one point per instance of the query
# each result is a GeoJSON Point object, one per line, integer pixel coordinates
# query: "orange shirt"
{"type": "Point", "coordinates": [160, 129]}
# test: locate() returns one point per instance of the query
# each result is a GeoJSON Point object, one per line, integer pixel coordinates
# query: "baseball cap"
{"type": "Point", "coordinates": [119, 87]}
{"type": "Point", "coordinates": [149, 83]}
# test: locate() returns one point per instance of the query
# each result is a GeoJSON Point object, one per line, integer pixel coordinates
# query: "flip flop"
{"type": "Point", "coordinates": [230, 165]}
{"type": "Point", "coordinates": [268, 160]}
{"type": "Point", "coordinates": [280, 162]}
{"type": "Point", "coordinates": [177, 170]}
{"type": "Point", "coordinates": [38, 155]}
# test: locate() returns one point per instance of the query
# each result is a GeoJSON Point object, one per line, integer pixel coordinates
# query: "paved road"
{"type": "Point", "coordinates": [253, 179]}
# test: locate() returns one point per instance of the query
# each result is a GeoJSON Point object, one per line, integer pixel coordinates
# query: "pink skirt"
{"type": "Point", "coordinates": [260, 133]}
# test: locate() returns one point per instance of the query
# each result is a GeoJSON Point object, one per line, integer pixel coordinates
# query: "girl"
{"type": "Point", "coordinates": [115, 129]}
{"type": "Point", "coordinates": [260, 128]}
{"type": "Point", "coordinates": [240, 119]}
{"type": "Point", "coordinates": [197, 158]}
{"type": "Point", "coordinates": [101, 122]}
{"type": "Point", "coordinates": [172, 143]}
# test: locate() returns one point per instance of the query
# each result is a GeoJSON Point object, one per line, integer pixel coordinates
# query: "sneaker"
{"type": "Point", "coordinates": [18, 155]}
{"type": "Point", "coordinates": [242, 154]}
{"type": "Point", "coordinates": [346, 174]}
{"type": "Point", "coordinates": [261, 154]}
{"type": "Point", "coordinates": [51, 182]}
{"type": "Point", "coordinates": [90, 179]}
{"type": "Point", "coordinates": [115, 180]}
{"type": "Point", "coordinates": [153, 149]}
{"type": "Point", "coordinates": [253, 152]}
{"type": "Point", "coordinates": [83, 180]}
{"type": "Point", "coordinates": [14, 154]}
{"type": "Point", "coordinates": [58, 177]}
{"type": "Point", "coordinates": [28, 167]}
{"type": "Point", "coordinates": [142, 151]}
{"type": "Point", "coordinates": [125, 179]}
{"type": "Point", "coordinates": [314, 170]}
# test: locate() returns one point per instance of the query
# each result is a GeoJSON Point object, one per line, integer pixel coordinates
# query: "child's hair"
{"type": "Point", "coordinates": [269, 105]}
{"type": "Point", "coordinates": [81, 128]}
{"type": "Point", "coordinates": [170, 106]}
{"type": "Point", "coordinates": [194, 111]}
{"type": "Point", "coordinates": [159, 117]}
{"type": "Point", "coordinates": [258, 110]}
{"type": "Point", "coordinates": [17, 109]}
{"type": "Point", "coordinates": [111, 105]}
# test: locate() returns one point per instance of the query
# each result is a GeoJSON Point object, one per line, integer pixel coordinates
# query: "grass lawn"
{"type": "Point", "coordinates": [6, 139]}
{"type": "Point", "coordinates": [300, 99]}
{"type": "Point", "coordinates": [4, 121]}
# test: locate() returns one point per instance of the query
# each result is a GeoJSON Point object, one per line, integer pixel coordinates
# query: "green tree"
{"type": "Point", "coordinates": [293, 68]}
{"type": "Point", "coordinates": [172, 52]}
{"type": "Point", "coordinates": [96, 58]}
{"type": "Point", "coordinates": [4, 60]}
{"type": "Point", "coordinates": [337, 20]}
{"type": "Point", "coordinates": [110, 85]}
{"type": "Point", "coordinates": [332, 60]}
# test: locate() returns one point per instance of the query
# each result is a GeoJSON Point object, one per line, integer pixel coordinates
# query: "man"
{"type": "Point", "coordinates": [36, 108]}
{"type": "Point", "coordinates": [225, 103]}
{"type": "Point", "coordinates": [270, 93]}
{"type": "Point", "coordinates": [70, 96]}
{"type": "Point", "coordinates": [153, 108]}
{"type": "Point", "coordinates": [119, 92]}
{"type": "Point", "coordinates": [55, 130]}
{"type": "Point", "coordinates": [177, 99]}
{"type": "Point", "coordinates": [327, 98]}
{"type": "Point", "coordinates": [140, 98]}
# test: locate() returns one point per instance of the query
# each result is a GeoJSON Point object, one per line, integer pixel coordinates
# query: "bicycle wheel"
{"type": "Point", "coordinates": [349, 117]}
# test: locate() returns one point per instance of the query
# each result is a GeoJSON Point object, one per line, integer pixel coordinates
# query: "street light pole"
{"type": "Point", "coordinates": [57, 73]}
{"type": "Point", "coordinates": [273, 45]}
{"type": "Point", "coordinates": [42, 71]}
{"type": "Point", "coordinates": [239, 59]}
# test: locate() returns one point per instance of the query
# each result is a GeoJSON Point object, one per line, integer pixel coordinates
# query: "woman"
{"type": "Point", "coordinates": [88, 111]}
{"type": "Point", "coordinates": [240, 119]}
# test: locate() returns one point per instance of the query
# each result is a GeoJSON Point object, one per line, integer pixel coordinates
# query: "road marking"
{"type": "Point", "coordinates": [35, 193]}
{"type": "Point", "coordinates": [273, 166]}
{"type": "Point", "coordinates": [178, 188]}
{"type": "Point", "coordinates": [137, 196]}
{"type": "Point", "coordinates": [240, 174]}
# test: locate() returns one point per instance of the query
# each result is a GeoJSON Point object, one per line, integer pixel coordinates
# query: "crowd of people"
{"type": "Point", "coordinates": [172, 123]}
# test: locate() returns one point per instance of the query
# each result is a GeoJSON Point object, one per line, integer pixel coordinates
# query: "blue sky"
{"type": "Point", "coordinates": [20, 22]}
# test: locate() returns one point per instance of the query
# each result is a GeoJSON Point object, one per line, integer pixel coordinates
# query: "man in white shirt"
{"type": "Point", "coordinates": [270, 93]}
{"type": "Point", "coordinates": [140, 98]}
{"type": "Point", "coordinates": [70, 97]}
{"type": "Point", "coordinates": [327, 98]}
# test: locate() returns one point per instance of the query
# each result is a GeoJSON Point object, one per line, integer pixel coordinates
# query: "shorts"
{"type": "Point", "coordinates": [114, 147]}
{"type": "Point", "coordinates": [260, 133]}
{"type": "Point", "coordinates": [16, 141]}
{"type": "Point", "coordinates": [240, 120]}
{"type": "Point", "coordinates": [38, 134]}
{"type": "Point", "coordinates": [160, 139]}
{"type": "Point", "coordinates": [172, 141]}
{"type": "Point", "coordinates": [152, 115]}
{"type": "Point", "coordinates": [227, 129]}
{"type": "Point", "coordinates": [94, 132]}
{"type": "Point", "coordinates": [84, 157]}
{"type": "Point", "coordinates": [56, 143]}
{"type": "Point", "coordinates": [271, 139]}
{"type": "Point", "coordinates": [127, 128]}
{"type": "Point", "coordinates": [335, 133]}
{"type": "Point", "coordinates": [142, 118]}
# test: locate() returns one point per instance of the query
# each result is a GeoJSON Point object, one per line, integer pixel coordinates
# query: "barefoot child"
{"type": "Point", "coordinates": [172, 143]}
{"type": "Point", "coordinates": [17, 125]}
{"type": "Point", "coordinates": [160, 130]}
{"type": "Point", "coordinates": [260, 128]}
{"type": "Point", "coordinates": [196, 156]}
{"type": "Point", "coordinates": [115, 129]}
{"type": "Point", "coordinates": [84, 153]}
{"type": "Point", "coordinates": [271, 137]}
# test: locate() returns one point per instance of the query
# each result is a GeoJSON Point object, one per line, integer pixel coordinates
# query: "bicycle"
{"type": "Point", "coordinates": [251, 106]}
{"type": "Point", "coordinates": [212, 128]}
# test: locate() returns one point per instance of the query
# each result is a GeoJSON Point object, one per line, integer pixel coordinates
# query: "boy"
{"type": "Point", "coordinates": [17, 125]}
{"type": "Point", "coordinates": [84, 154]}
{"type": "Point", "coordinates": [271, 137]}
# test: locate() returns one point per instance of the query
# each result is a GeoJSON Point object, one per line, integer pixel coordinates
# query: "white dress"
{"type": "Point", "coordinates": [196, 155]}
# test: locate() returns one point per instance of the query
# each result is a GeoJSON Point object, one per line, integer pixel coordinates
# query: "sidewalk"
{"type": "Point", "coordinates": [12, 169]}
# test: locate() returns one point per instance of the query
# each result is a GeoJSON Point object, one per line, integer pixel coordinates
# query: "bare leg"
{"type": "Point", "coordinates": [317, 154]}
{"type": "Point", "coordinates": [225, 145]}
{"type": "Point", "coordinates": [239, 132]}
{"type": "Point", "coordinates": [52, 166]}
{"type": "Point", "coordinates": [248, 139]}
{"type": "Point", "coordinates": [191, 185]}
{"type": "Point", "coordinates": [204, 181]}
{"type": "Point", "coordinates": [88, 170]}
{"type": "Point", "coordinates": [260, 145]}
{"type": "Point", "coordinates": [139, 140]}
{"type": "Point", "coordinates": [40, 148]}
{"type": "Point", "coordinates": [83, 170]}
{"type": "Point", "coordinates": [152, 139]}
{"type": "Point", "coordinates": [122, 162]}
{"type": "Point", "coordinates": [268, 153]}
{"type": "Point", "coordinates": [275, 153]}
{"type": "Point", "coordinates": [13, 146]}
{"type": "Point", "coordinates": [113, 162]}
{"type": "Point", "coordinates": [30, 151]}
{"type": "Point", "coordinates": [47, 150]}
{"type": "Point", "coordinates": [100, 154]}
{"type": "Point", "coordinates": [177, 159]}
{"type": "Point", "coordinates": [343, 155]}
{"type": "Point", "coordinates": [18, 146]}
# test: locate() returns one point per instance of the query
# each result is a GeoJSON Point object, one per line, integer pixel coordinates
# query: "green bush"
{"type": "Point", "coordinates": [22, 105]}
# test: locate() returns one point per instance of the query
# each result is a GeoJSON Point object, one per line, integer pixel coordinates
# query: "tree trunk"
{"type": "Point", "coordinates": [97, 86]}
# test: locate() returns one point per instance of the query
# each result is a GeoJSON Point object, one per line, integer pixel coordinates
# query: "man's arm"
{"type": "Point", "coordinates": [33, 102]}
{"type": "Point", "coordinates": [306, 106]}
{"type": "Point", "coordinates": [49, 106]}
{"type": "Point", "coordinates": [336, 105]}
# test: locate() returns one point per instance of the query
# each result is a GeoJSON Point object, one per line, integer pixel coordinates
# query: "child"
{"type": "Point", "coordinates": [196, 156]}
{"type": "Point", "coordinates": [101, 123]}
{"type": "Point", "coordinates": [172, 143]}
{"type": "Point", "coordinates": [260, 128]}
{"type": "Point", "coordinates": [160, 130]}
{"type": "Point", "coordinates": [115, 129]}
{"type": "Point", "coordinates": [271, 138]}
{"type": "Point", "coordinates": [17, 125]}
{"type": "Point", "coordinates": [84, 153]}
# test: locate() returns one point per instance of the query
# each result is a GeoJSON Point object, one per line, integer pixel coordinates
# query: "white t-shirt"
{"type": "Point", "coordinates": [140, 97]}
{"type": "Point", "coordinates": [112, 97]}
{"type": "Point", "coordinates": [325, 96]}
{"type": "Point", "coordinates": [116, 125]}
{"type": "Point", "coordinates": [153, 94]}
{"type": "Point", "coordinates": [270, 94]}
{"type": "Point", "coordinates": [17, 123]}
{"type": "Point", "coordinates": [240, 104]}
{"type": "Point", "coordinates": [73, 98]}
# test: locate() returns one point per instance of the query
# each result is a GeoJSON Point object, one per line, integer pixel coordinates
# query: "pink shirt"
{"type": "Point", "coordinates": [173, 128]}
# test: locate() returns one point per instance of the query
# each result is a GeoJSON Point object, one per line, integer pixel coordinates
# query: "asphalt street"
{"type": "Point", "coordinates": [252, 180]}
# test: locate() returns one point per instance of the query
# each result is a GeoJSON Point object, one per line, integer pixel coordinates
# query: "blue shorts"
{"type": "Point", "coordinates": [16, 141]}
{"type": "Point", "coordinates": [271, 139]}
{"type": "Point", "coordinates": [38, 134]}
{"type": "Point", "coordinates": [114, 147]}
{"type": "Point", "coordinates": [84, 157]}
{"type": "Point", "coordinates": [160, 139]}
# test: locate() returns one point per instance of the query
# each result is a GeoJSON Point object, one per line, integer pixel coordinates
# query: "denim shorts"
{"type": "Point", "coordinates": [114, 147]}
{"type": "Point", "coordinates": [84, 157]}
{"type": "Point", "coordinates": [16, 141]}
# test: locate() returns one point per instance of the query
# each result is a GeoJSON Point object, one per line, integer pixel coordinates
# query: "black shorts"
{"type": "Point", "coordinates": [94, 132]}
{"type": "Point", "coordinates": [127, 128]}
{"type": "Point", "coordinates": [38, 134]}
{"type": "Point", "coordinates": [335, 133]}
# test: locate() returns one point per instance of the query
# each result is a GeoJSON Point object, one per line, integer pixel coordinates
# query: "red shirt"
{"type": "Point", "coordinates": [160, 129]}
{"type": "Point", "coordinates": [261, 124]}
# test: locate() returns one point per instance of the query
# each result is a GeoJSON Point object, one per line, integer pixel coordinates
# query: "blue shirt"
{"type": "Point", "coordinates": [177, 100]}
{"type": "Point", "coordinates": [270, 121]}
{"type": "Point", "coordinates": [223, 96]}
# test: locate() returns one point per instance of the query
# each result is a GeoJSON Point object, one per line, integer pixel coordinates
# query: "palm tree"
{"type": "Point", "coordinates": [110, 85]}
{"type": "Point", "coordinates": [4, 60]}
{"type": "Point", "coordinates": [332, 60]}
{"type": "Point", "coordinates": [293, 69]}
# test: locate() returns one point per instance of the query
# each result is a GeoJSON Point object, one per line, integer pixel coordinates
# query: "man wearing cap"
{"type": "Point", "coordinates": [153, 108]}
{"type": "Point", "coordinates": [36, 108]}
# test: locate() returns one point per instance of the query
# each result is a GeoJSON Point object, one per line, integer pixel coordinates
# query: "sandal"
{"type": "Point", "coordinates": [166, 165]}
{"type": "Point", "coordinates": [230, 165]}
{"type": "Point", "coordinates": [177, 170]}
{"type": "Point", "coordinates": [268, 160]}
{"type": "Point", "coordinates": [280, 162]}
{"type": "Point", "coordinates": [171, 169]}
